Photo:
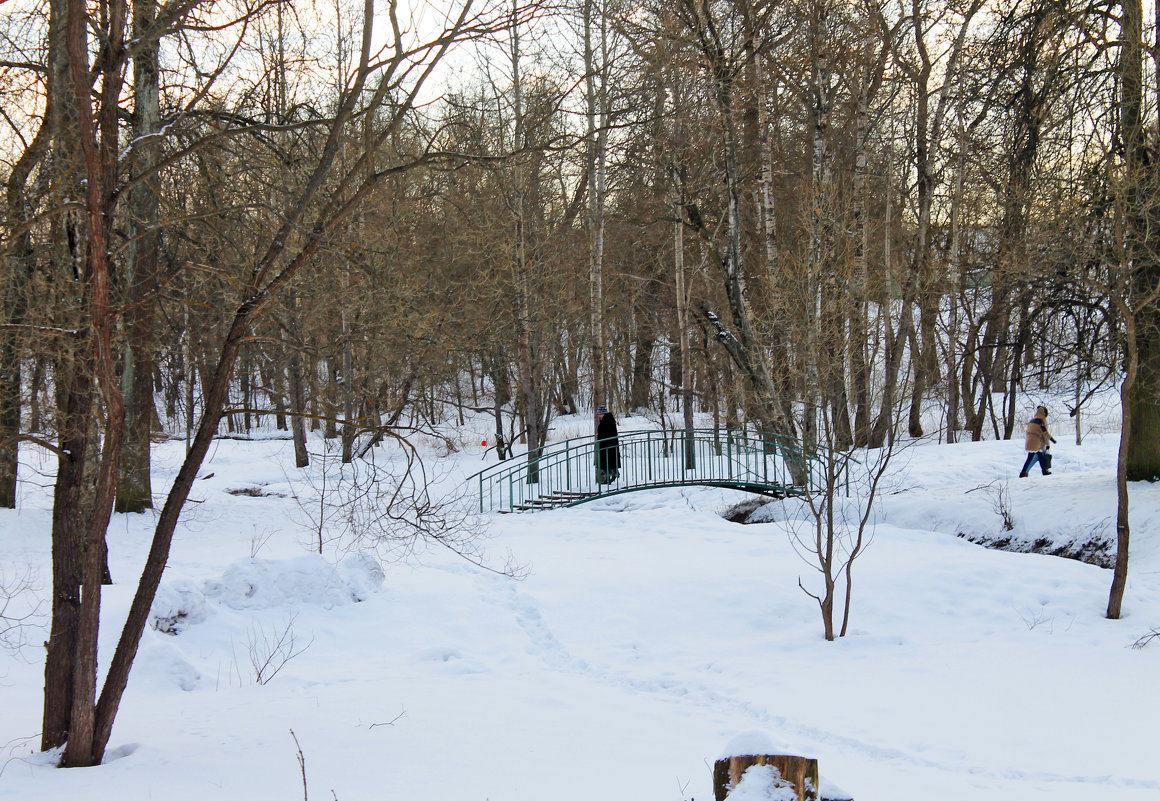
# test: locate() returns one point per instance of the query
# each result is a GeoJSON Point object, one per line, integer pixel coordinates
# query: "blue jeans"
{"type": "Point", "coordinates": [1032, 458]}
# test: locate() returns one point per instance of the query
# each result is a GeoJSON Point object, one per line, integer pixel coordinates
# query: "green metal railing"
{"type": "Point", "coordinates": [564, 474]}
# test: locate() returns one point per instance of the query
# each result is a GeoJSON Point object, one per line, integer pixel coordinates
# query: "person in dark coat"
{"type": "Point", "coordinates": [607, 448]}
{"type": "Point", "coordinates": [1037, 442]}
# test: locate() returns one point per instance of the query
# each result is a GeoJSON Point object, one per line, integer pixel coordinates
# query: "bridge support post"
{"type": "Point", "coordinates": [729, 450]}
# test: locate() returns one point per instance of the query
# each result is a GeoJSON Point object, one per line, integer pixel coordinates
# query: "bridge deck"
{"type": "Point", "coordinates": [564, 474]}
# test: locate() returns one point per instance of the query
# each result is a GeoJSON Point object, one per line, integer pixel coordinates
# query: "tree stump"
{"type": "Point", "coordinates": [801, 772]}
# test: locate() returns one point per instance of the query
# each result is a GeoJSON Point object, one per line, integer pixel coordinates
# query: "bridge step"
{"type": "Point", "coordinates": [553, 500]}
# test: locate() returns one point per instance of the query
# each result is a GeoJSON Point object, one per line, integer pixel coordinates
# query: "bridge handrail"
{"type": "Point", "coordinates": [552, 448]}
{"type": "Point", "coordinates": [732, 457]}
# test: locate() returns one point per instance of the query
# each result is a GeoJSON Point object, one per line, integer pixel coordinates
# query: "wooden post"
{"type": "Point", "coordinates": [801, 772]}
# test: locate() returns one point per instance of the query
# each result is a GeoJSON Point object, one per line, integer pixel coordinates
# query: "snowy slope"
{"type": "Point", "coordinates": [647, 635]}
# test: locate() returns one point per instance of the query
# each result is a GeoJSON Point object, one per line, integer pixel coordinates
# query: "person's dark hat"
{"type": "Point", "coordinates": [602, 410]}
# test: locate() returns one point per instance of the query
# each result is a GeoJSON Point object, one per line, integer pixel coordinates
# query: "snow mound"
{"type": "Point", "coordinates": [166, 665]}
{"type": "Point", "coordinates": [269, 583]}
{"type": "Point", "coordinates": [177, 605]}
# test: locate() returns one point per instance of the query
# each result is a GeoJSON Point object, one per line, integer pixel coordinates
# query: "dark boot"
{"type": "Point", "coordinates": [1032, 458]}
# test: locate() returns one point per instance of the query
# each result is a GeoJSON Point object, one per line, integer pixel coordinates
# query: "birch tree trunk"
{"type": "Point", "coordinates": [819, 207]}
{"type": "Point", "coordinates": [955, 288]}
{"type": "Point", "coordinates": [596, 96]}
{"type": "Point", "coordinates": [528, 369]}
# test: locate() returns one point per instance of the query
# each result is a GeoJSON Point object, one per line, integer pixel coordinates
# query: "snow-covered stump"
{"type": "Point", "coordinates": [792, 778]}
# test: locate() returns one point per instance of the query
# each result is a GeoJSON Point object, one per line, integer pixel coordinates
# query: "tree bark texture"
{"type": "Point", "coordinates": [134, 485]}
{"type": "Point", "coordinates": [1143, 213]}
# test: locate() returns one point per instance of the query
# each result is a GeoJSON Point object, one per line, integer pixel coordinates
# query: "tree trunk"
{"type": "Point", "coordinates": [683, 322]}
{"type": "Point", "coordinates": [274, 378]}
{"type": "Point", "coordinates": [298, 410]}
{"type": "Point", "coordinates": [1140, 424]}
{"type": "Point", "coordinates": [1140, 168]}
{"type": "Point", "coordinates": [596, 96]}
{"type": "Point", "coordinates": [21, 258]}
{"type": "Point", "coordinates": [10, 406]}
{"type": "Point", "coordinates": [349, 429]}
{"type": "Point", "coordinates": [857, 342]}
{"type": "Point", "coordinates": [924, 359]}
{"type": "Point", "coordinates": [883, 428]}
{"type": "Point", "coordinates": [297, 386]}
{"type": "Point", "coordinates": [1123, 531]}
{"type": "Point", "coordinates": [642, 367]}
{"type": "Point", "coordinates": [74, 400]}
{"type": "Point", "coordinates": [955, 267]}
{"type": "Point", "coordinates": [529, 367]}
{"type": "Point", "coordinates": [134, 486]}
{"type": "Point", "coordinates": [73, 396]}
{"type": "Point", "coordinates": [96, 366]}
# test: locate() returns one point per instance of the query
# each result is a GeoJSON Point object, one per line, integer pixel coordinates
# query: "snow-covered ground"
{"type": "Point", "coordinates": [648, 633]}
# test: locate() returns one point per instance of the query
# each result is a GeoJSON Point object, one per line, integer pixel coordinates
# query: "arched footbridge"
{"type": "Point", "coordinates": [564, 474]}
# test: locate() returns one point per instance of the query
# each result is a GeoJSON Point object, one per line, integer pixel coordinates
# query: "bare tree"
{"type": "Point", "coordinates": [722, 46]}
{"type": "Point", "coordinates": [1135, 291]}
{"type": "Point", "coordinates": [840, 525]}
{"type": "Point", "coordinates": [385, 83]}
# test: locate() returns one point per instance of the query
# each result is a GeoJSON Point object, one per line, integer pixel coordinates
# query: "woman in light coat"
{"type": "Point", "coordinates": [1037, 442]}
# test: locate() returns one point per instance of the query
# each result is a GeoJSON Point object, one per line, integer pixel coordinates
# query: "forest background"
{"type": "Point", "coordinates": [815, 218]}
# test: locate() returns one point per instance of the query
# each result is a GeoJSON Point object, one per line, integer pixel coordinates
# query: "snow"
{"type": "Point", "coordinates": [648, 636]}
{"type": "Point", "coordinates": [751, 743]}
{"type": "Point", "coordinates": [762, 783]}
